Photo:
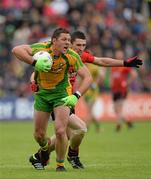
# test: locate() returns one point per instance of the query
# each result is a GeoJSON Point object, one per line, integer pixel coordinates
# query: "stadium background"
{"type": "Point", "coordinates": [108, 24]}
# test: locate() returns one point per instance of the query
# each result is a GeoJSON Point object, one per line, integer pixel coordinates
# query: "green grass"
{"type": "Point", "coordinates": [106, 155]}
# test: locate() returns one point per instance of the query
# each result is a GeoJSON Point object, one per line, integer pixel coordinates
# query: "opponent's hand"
{"type": "Point", "coordinates": [70, 101]}
{"type": "Point", "coordinates": [42, 64]}
{"type": "Point", "coordinates": [33, 86]}
{"type": "Point", "coordinates": [133, 62]}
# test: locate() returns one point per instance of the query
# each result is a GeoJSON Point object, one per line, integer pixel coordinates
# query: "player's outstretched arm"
{"type": "Point", "coordinates": [109, 62]}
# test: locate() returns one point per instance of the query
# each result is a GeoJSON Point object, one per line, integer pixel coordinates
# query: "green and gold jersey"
{"type": "Point", "coordinates": [57, 77]}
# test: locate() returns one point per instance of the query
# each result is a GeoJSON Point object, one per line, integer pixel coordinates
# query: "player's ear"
{"type": "Point", "coordinates": [53, 40]}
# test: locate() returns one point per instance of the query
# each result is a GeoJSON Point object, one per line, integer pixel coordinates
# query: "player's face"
{"type": "Point", "coordinates": [79, 45]}
{"type": "Point", "coordinates": [62, 43]}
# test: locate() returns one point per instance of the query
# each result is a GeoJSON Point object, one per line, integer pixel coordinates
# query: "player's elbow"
{"type": "Point", "coordinates": [20, 49]}
{"type": "Point", "coordinates": [15, 50]}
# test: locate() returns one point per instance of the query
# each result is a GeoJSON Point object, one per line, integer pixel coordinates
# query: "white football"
{"type": "Point", "coordinates": [44, 54]}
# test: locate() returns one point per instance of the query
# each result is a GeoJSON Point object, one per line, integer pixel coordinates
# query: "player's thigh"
{"type": "Point", "coordinates": [41, 120]}
{"type": "Point", "coordinates": [72, 111]}
{"type": "Point", "coordinates": [61, 117]}
{"type": "Point", "coordinates": [69, 132]}
{"type": "Point", "coordinates": [76, 123]}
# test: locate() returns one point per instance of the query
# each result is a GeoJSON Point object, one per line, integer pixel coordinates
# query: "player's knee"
{"type": "Point", "coordinates": [39, 135]}
{"type": "Point", "coordinates": [81, 131]}
{"type": "Point", "coordinates": [60, 132]}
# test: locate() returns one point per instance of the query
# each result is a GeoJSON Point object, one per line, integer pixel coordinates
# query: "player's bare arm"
{"type": "Point", "coordinates": [110, 62]}
{"type": "Point", "coordinates": [107, 62]}
{"type": "Point", "coordinates": [86, 79]}
{"type": "Point", "coordinates": [23, 53]}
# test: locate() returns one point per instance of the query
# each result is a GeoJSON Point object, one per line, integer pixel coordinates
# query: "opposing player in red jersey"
{"type": "Point", "coordinates": [78, 44]}
{"type": "Point", "coordinates": [78, 41]}
{"type": "Point", "coordinates": [121, 78]}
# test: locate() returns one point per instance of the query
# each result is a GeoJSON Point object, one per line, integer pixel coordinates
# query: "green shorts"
{"type": "Point", "coordinates": [47, 100]}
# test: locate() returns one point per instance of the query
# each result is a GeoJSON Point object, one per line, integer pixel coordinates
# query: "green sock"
{"type": "Point", "coordinates": [44, 145]}
{"type": "Point", "coordinates": [60, 162]}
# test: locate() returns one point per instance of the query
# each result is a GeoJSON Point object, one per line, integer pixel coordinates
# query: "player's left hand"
{"type": "Point", "coordinates": [33, 86]}
{"type": "Point", "coordinates": [133, 62]}
{"type": "Point", "coordinates": [70, 100]}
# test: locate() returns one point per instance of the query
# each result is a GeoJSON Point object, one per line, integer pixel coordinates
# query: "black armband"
{"type": "Point", "coordinates": [33, 63]}
{"type": "Point", "coordinates": [77, 94]}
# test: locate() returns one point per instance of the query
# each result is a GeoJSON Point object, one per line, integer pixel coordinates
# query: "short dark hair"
{"type": "Point", "coordinates": [77, 35]}
{"type": "Point", "coordinates": [58, 31]}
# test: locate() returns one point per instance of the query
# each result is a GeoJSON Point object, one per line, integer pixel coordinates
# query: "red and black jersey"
{"type": "Point", "coordinates": [87, 57]}
{"type": "Point", "coordinates": [119, 77]}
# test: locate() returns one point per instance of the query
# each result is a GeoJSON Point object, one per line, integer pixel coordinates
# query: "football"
{"type": "Point", "coordinates": [43, 54]}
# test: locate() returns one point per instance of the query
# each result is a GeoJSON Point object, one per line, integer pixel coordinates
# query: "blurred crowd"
{"type": "Point", "coordinates": [108, 24]}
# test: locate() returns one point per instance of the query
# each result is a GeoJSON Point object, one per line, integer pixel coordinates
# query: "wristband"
{"type": "Point", "coordinates": [77, 94]}
{"type": "Point", "coordinates": [33, 63]}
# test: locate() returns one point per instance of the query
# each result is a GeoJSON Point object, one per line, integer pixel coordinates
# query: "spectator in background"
{"type": "Point", "coordinates": [36, 34]}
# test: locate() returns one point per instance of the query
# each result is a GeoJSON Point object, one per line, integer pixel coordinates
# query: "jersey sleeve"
{"type": "Point", "coordinates": [87, 57]}
{"type": "Point", "coordinates": [78, 63]}
{"type": "Point", "coordinates": [39, 47]}
{"type": "Point", "coordinates": [127, 70]}
{"type": "Point", "coordinates": [75, 60]}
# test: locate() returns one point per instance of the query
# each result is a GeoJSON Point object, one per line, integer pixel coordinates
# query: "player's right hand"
{"type": "Point", "coordinates": [42, 65]}
{"type": "Point", "coordinates": [33, 86]}
{"type": "Point", "coordinates": [133, 62]}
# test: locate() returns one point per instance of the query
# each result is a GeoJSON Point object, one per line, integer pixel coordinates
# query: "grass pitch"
{"type": "Point", "coordinates": [106, 155]}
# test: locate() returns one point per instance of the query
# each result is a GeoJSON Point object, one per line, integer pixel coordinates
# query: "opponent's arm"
{"type": "Point", "coordinates": [33, 83]}
{"type": "Point", "coordinates": [109, 62]}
